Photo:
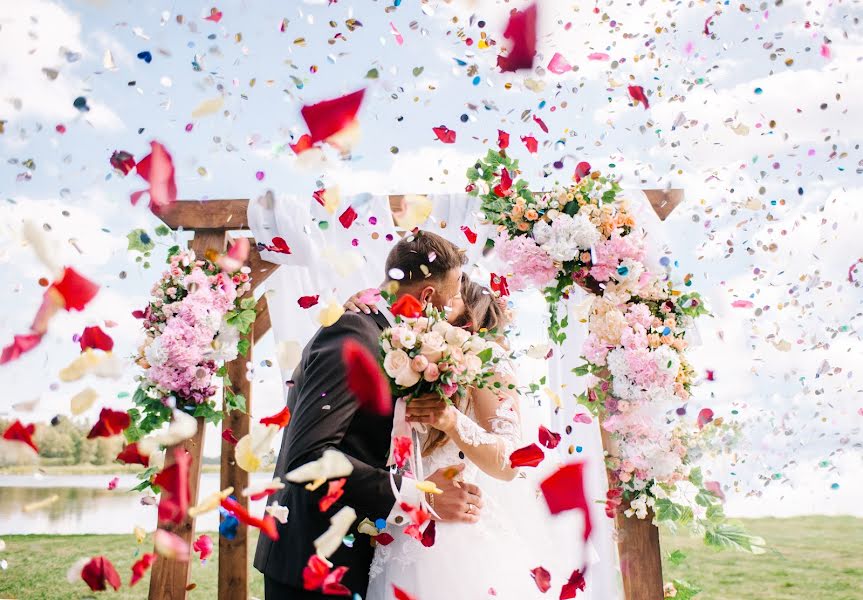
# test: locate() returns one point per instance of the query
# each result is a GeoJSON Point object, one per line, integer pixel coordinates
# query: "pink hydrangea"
{"type": "Point", "coordinates": [530, 264]}
{"type": "Point", "coordinates": [595, 350]}
{"type": "Point", "coordinates": [639, 314]}
{"type": "Point", "coordinates": [607, 255]}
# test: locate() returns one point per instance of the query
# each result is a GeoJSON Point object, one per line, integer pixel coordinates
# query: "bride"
{"type": "Point", "coordinates": [495, 556]}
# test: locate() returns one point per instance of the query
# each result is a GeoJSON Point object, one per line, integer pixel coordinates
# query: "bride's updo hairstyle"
{"type": "Point", "coordinates": [482, 310]}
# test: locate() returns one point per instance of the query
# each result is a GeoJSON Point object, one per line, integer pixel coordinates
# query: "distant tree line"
{"type": "Point", "coordinates": [64, 442]}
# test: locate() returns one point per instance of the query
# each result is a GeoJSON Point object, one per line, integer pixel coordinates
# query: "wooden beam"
{"type": "Point", "coordinates": [262, 319]}
{"type": "Point", "coordinates": [261, 269]}
{"type": "Point", "coordinates": [171, 577]}
{"type": "Point", "coordinates": [226, 215]}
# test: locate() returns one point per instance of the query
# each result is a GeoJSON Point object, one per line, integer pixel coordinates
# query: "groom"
{"type": "Point", "coordinates": [325, 415]}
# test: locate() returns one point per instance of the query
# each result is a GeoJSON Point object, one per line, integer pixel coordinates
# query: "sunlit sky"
{"type": "Point", "coordinates": [759, 122]}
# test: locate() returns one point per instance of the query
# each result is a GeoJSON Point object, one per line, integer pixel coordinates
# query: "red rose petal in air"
{"type": "Point", "coordinates": [502, 189]}
{"type": "Point", "coordinates": [215, 15]}
{"type": "Point", "coordinates": [99, 572]}
{"type": "Point", "coordinates": [236, 256]}
{"type": "Point", "coordinates": [318, 195]}
{"type": "Point", "coordinates": [267, 525]}
{"type": "Point", "coordinates": [531, 143]}
{"type": "Point", "coordinates": [141, 566]}
{"type": "Point", "coordinates": [303, 144]}
{"type": "Point", "coordinates": [333, 583]}
{"type": "Point", "coordinates": [582, 418]}
{"type": "Point", "coordinates": [75, 289]}
{"type": "Point", "coordinates": [384, 539]}
{"type": "Point", "coordinates": [582, 169]}
{"type": "Point", "coordinates": [529, 456]}
{"type": "Point", "coordinates": [498, 284]}
{"type": "Point", "coordinates": [470, 235]}
{"type": "Point", "coordinates": [502, 139]}
{"type": "Point", "coordinates": [111, 422]}
{"type": "Point", "coordinates": [18, 432]}
{"type": "Point", "coordinates": [157, 169]}
{"type": "Point", "coordinates": [281, 418]}
{"type": "Point", "coordinates": [542, 579]}
{"type": "Point", "coordinates": [308, 301]}
{"type": "Point", "coordinates": [707, 24]}
{"type": "Point", "coordinates": [548, 438]}
{"type": "Point", "coordinates": [335, 490]}
{"type": "Point", "coordinates": [400, 594]}
{"type": "Point", "coordinates": [279, 245]}
{"type": "Point", "coordinates": [564, 490]}
{"type": "Point", "coordinates": [20, 344]}
{"type": "Point", "coordinates": [636, 92]}
{"type": "Point", "coordinates": [444, 134]}
{"type": "Point", "coordinates": [317, 575]}
{"type": "Point", "coordinates": [329, 117]}
{"type": "Point", "coordinates": [122, 161]}
{"type": "Point", "coordinates": [402, 448]}
{"type": "Point", "coordinates": [613, 500]}
{"type": "Point", "coordinates": [365, 379]}
{"type": "Point", "coordinates": [521, 29]}
{"type": "Point", "coordinates": [541, 123]}
{"type": "Point", "coordinates": [407, 306]}
{"type": "Point", "coordinates": [264, 493]}
{"type": "Point", "coordinates": [714, 488]}
{"type": "Point", "coordinates": [558, 64]}
{"type": "Point", "coordinates": [705, 416]}
{"type": "Point", "coordinates": [174, 481]}
{"type": "Point", "coordinates": [429, 535]}
{"type": "Point", "coordinates": [131, 455]}
{"type": "Point", "coordinates": [204, 546]}
{"type": "Point", "coordinates": [348, 217]}
{"type": "Point", "coordinates": [94, 337]}
{"type": "Point", "coordinates": [228, 436]}
{"type": "Point", "coordinates": [575, 584]}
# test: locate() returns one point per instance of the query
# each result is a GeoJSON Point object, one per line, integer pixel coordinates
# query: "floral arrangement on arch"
{"type": "Point", "coordinates": [192, 324]}
{"type": "Point", "coordinates": [573, 235]}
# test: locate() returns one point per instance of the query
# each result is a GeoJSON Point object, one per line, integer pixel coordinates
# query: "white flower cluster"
{"type": "Point", "coordinates": [566, 236]}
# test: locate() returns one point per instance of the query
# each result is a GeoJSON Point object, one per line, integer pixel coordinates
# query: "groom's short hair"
{"type": "Point", "coordinates": [422, 255]}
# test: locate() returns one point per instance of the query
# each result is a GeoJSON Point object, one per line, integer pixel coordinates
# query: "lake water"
{"type": "Point", "coordinates": [87, 506]}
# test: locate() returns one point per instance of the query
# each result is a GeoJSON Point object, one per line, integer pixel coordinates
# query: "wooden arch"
{"type": "Point", "coordinates": [211, 221]}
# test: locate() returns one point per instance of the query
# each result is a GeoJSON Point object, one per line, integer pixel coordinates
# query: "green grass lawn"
{"type": "Point", "coordinates": [810, 558]}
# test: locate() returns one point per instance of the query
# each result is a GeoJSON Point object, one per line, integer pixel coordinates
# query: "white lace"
{"type": "Point", "coordinates": [505, 431]}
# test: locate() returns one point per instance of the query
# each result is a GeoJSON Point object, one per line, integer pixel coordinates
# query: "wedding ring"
{"type": "Point", "coordinates": [470, 509]}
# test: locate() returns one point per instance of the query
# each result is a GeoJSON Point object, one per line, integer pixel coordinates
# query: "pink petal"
{"type": "Point", "coordinates": [558, 64]}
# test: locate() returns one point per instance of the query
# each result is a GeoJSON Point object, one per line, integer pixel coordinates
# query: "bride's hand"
{"type": "Point", "coordinates": [354, 304]}
{"type": "Point", "coordinates": [432, 411]}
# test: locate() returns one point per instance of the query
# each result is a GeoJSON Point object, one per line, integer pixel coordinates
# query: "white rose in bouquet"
{"type": "Point", "coordinates": [408, 338]}
{"type": "Point", "coordinates": [473, 365]}
{"type": "Point", "coordinates": [442, 327]}
{"type": "Point", "coordinates": [432, 346]}
{"type": "Point", "coordinates": [476, 344]}
{"type": "Point", "coordinates": [397, 365]}
{"type": "Point", "coordinates": [456, 336]}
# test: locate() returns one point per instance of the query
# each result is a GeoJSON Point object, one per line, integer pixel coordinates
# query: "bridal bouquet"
{"type": "Point", "coordinates": [193, 322]}
{"type": "Point", "coordinates": [424, 354]}
{"type": "Point", "coordinates": [573, 235]}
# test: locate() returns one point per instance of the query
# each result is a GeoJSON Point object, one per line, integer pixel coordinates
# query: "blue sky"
{"type": "Point", "coordinates": [767, 151]}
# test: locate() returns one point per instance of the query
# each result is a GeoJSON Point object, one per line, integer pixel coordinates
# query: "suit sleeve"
{"type": "Point", "coordinates": [324, 410]}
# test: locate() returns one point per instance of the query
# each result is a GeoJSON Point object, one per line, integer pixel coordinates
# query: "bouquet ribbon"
{"type": "Point", "coordinates": [401, 428]}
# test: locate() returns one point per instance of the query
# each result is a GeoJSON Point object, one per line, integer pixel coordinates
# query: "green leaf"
{"type": "Point", "coordinates": [242, 320]}
{"type": "Point", "coordinates": [695, 477]}
{"type": "Point", "coordinates": [235, 402]}
{"type": "Point", "coordinates": [582, 370]}
{"type": "Point", "coordinates": [666, 510]}
{"type": "Point", "coordinates": [485, 355]}
{"type": "Point", "coordinates": [677, 557]}
{"type": "Point", "coordinates": [139, 241]}
{"type": "Point", "coordinates": [685, 590]}
{"type": "Point", "coordinates": [243, 347]}
{"type": "Point", "coordinates": [734, 537]}
{"type": "Point", "coordinates": [222, 371]}
{"type": "Point", "coordinates": [173, 250]}
{"type": "Point", "coordinates": [162, 230]}
{"type": "Point", "coordinates": [248, 303]}
{"type": "Point", "coordinates": [372, 74]}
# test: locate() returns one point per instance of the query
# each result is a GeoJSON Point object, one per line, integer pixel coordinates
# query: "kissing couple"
{"type": "Point", "coordinates": [471, 548]}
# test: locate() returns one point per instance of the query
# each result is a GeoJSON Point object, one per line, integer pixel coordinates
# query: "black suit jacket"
{"type": "Point", "coordinates": [324, 415]}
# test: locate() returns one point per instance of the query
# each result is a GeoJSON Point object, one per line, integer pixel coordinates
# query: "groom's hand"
{"type": "Point", "coordinates": [460, 501]}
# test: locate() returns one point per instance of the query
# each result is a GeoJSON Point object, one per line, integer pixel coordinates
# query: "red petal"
{"type": "Point", "coordinates": [267, 525]}
{"type": "Point", "coordinates": [264, 493]}
{"type": "Point", "coordinates": [558, 64]}
{"type": "Point", "coordinates": [531, 143]}
{"type": "Point", "coordinates": [429, 535]}
{"type": "Point", "coordinates": [529, 456]}
{"type": "Point", "coordinates": [111, 422]}
{"type": "Point", "coordinates": [334, 492]}
{"type": "Point", "coordinates": [417, 514]}
{"type": "Point", "coordinates": [329, 117]}
{"type": "Point", "coordinates": [499, 284]}
{"type": "Point", "coordinates": [99, 572]}
{"type": "Point", "coordinates": [318, 195]}
{"type": "Point", "coordinates": [75, 290]}
{"type": "Point", "coordinates": [279, 245]}
{"type": "Point", "coordinates": [204, 546]}
{"type": "Point", "coordinates": [564, 490]}
{"type": "Point", "coordinates": [308, 301]}
{"type": "Point", "coordinates": [228, 436]}
{"type": "Point", "coordinates": [444, 134]}
{"type": "Point", "coordinates": [402, 448]}
{"type": "Point", "coordinates": [303, 144]}
{"type": "Point", "coordinates": [548, 438]}
{"type": "Point", "coordinates": [707, 24]}
{"type": "Point", "coordinates": [348, 217]}
{"type": "Point", "coordinates": [94, 337]}
{"type": "Point", "coordinates": [400, 594]}
{"type": "Point", "coordinates": [20, 344]}
{"type": "Point", "coordinates": [582, 169]}
{"type": "Point", "coordinates": [636, 92]}
{"type": "Point", "coordinates": [407, 306]}
{"type": "Point", "coordinates": [505, 184]}
{"type": "Point", "coordinates": [157, 169]}
{"type": "Point", "coordinates": [314, 572]}
{"type": "Point", "coordinates": [18, 432]}
{"type": "Point", "coordinates": [502, 139]}
{"type": "Point", "coordinates": [332, 583]}
{"type": "Point", "coordinates": [215, 16]}
{"type": "Point", "coordinates": [141, 566]}
{"type": "Point", "coordinates": [541, 123]}
{"type": "Point", "coordinates": [281, 418]}
{"type": "Point", "coordinates": [705, 416]}
{"type": "Point", "coordinates": [542, 579]}
{"type": "Point", "coordinates": [236, 256]}
{"type": "Point", "coordinates": [174, 481]}
{"type": "Point", "coordinates": [582, 418]}
{"type": "Point", "coordinates": [521, 29]}
{"type": "Point", "coordinates": [384, 539]}
{"type": "Point", "coordinates": [131, 455]}
{"type": "Point", "coordinates": [366, 380]}
{"type": "Point", "coordinates": [470, 235]}
{"type": "Point", "coordinates": [575, 584]}
{"type": "Point", "coordinates": [122, 161]}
